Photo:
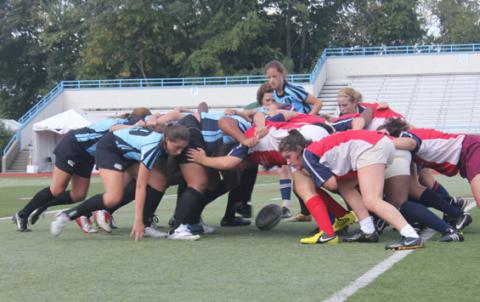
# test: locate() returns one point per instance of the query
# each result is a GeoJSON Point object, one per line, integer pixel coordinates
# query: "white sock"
{"type": "Point", "coordinates": [286, 203]}
{"type": "Point", "coordinates": [367, 226]}
{"type": "Point", "coordinates": [408, 231]}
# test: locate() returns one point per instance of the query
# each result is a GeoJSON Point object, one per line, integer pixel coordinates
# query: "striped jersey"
{"type": "Point", "coordinates": [88, 137]}
{"type": "Point", "coordinates": [293, 95]}
{"type": "Point", "coordinates": [211, 132]}
{"type": "Point", "coordinates": [437, 150]}
{"type": "Point", "coordinates": [337, 154]}
{"type": "Point", "coordinates": [140, 144]}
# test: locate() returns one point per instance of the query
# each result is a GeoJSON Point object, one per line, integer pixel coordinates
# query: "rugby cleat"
{"type": "Point", "coordinates": [21, 222]}
{"type": "Point", "coordinates": [361, 236]}
{"type": "Point", "coordinates": [57, 226]}
{"type": "Point", "coordinates": [154, 233]}
{"type": "Point", "coordinates": [451, 235]}
{"type": "Point", "coordinates": [320, 238]}
{"type": "Point", "coordinates": [85, 225]}
{"type": "Point", "coordinates": [463, 221]}
{"type": "Point", "coordinates": [234, 222]}
{"type": "Point", "coordinates": [102, 219]}
{"type": "Point", "coordinates": [36, 214]}
{"type": "Point", "coordinates": [344, 221]}
{"type": "Point", "coordinates": [182, 233]}
{"type": "Point", "coordinates": [244, 209]}
{"type": "Point", "coordinates": [286, 213]}
{"type": "Point", "coordinates": [459, 202]}
{"type": "Point", "coordinates": [405, 243]}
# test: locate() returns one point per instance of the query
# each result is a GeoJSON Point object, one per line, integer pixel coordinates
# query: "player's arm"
{"type": "Point", "coordinates": [140, 196]}
{"type": "Point", "coordinates": [367, 115]}
{"type": "Point", "coordinates": [220, 162]}
{"type": "Point", "coordinates": [315, 103]}
{"type": "Point", "coordinates": [229, 126]}
{"type": "Point", "coordinates": [358, 123]}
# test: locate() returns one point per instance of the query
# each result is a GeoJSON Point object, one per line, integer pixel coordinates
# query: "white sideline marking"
{"type": "Point", "coordinates": [379, 269]}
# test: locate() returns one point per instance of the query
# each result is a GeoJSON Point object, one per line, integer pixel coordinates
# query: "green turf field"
{"type": "Point", "coordinates": [234, 264]}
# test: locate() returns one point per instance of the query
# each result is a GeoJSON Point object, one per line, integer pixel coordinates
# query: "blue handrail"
{"type": "Point", "coordinates": [390, 50]}
{"type": "Point", "coordinates": [168, 82]}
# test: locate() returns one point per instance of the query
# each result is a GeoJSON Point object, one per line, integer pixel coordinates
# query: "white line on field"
{"type": "Point", "coordinates": [379, 269]}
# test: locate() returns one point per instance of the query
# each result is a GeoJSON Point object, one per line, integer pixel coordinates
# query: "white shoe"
{"type": "Point", "coordinates": [57, 226]}
{"type": "Point", "coordinates": [154, 233]}
{"type": "Point", "coordinates": [103, 218]}
{"type": "Point", "coordinates": [207, 229]}
{"type": "Point", "coordinates": [86, 225]}
{"type": "Point", "coordinates": [182, 232]}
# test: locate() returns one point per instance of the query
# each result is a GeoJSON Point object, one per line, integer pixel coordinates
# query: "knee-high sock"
{"type": "Point", "coordinates": [431, 199]}
{"type": "Point", "coordinates": [333, 206]}
{"type": "Point", "coordinates": [303, 208]}
{"type": "Point", "coordinates": [286, 191]}
{"type": "Point", "coordinates": [152, 201]}
{"type": "Point", "coordinates": [319, 211]}
{"type": "Point", "coordinates": [64, 198]}
{"type": "Point", "coordinates": [188, 206]}
{"type": "Point", "coordinates": [440, 190]}
{"type": "Point", "coordinates": [128, 196]}
{"type": "Point", "coordinates": [40, 199]}
{"type": "Point", "coordinates": [247, 182]}
{"type": "Point", "coordinates": [92, 204]}
{"type": "Point", "coordinates": [415, 212]}
{"type": "Point", "coordinates": [233, 199]}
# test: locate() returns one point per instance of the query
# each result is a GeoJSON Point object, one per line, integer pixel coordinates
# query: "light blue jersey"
{"type": "Point", "coordinates": [88, 137]}
{"type": "Point", "coordinates": [140, 144]}
{"type": "Point", "coordinates": [294, 95]}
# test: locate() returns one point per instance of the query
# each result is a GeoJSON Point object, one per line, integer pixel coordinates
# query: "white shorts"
{"type": "Point", "coordinates": [400, 164]}
{"type": "Point", "coordinates": [381, 153]}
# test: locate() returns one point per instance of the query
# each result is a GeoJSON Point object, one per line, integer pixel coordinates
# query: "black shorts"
{"type": "Point", "coordinates": [108, 156]}
{"type": "Point", "coordinates": [71, 158]}
{"type": "Point", "coordinates": [196, 137]}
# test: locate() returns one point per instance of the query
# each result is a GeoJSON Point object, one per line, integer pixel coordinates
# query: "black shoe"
{"type": "Point", "coordinates": [405, 243]}
{"type": "Point", "coordinates": [458, 202]}
{"type": "Point", "coordinates": [171, 221]}
{"type": "Point", "coordinates": [418, 227]}
{"type": "Point", "coordinates": [236, 221]}
{"type": "Point", "coordinates": [36, 214]}
{"type": "Point", "coordinates": [244, 209]}
{"type": "Point", "coordinates": [286, 213]}
{"type": "Point", "coordinates": [463, 221]}
{"type": "Point", "coordinates": [21, 222]}
{"type": "Point", "coordinates": [360, 236]}
{"type": "Point", "coordinates": [451, 235]}
{"type": "Point", "coordinates": [380, 224]}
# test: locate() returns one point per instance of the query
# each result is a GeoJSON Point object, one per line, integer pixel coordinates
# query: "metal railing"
{"type": "Point", "coordinates": [389, 50]}
{"type": "Point", "coordinates": [168, 82]}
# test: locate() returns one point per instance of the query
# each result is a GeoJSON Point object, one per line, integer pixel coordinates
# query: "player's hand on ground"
{"type": "Point", "coordinates": [137, 231]}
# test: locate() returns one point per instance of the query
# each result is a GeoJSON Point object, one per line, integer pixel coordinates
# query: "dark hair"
{"type": "Point", "coordinates": [276, 65]}
{"type": "Point", "coordinates": [265, 88]}
{"type": "Point", "coordinates": [174, 132]}
{"type": "Point", "coordinates": [394, 126]}
{"type": "Point", "coordinates": [136, 115]}
{"type": "Point", "coordinates": [295, 141]}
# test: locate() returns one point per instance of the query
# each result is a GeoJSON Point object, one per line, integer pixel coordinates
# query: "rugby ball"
{"type": "Point", "coordinates": [268, 217]}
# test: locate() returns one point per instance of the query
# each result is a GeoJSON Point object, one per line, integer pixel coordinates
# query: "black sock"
{"type": "Point", "coordinates": [233, 199]}
{"type": "Point", "coordinates": [415, 212]}
{"type": "Point", "coordinates": [40, 199]}
{"type": "Point", "coordinates": [247, 182]}
{"type": "Point", "coordinates": [431, 199]}
{"type": "Point", "coordinates": [128, 196]}
{"type": "Point", "coordinates": [303, 207]}
{"type": "Point", "coordinates": [92, 204]}
{"type": "Point", "coordinates": [152, 201]}
{"type": "Point", "coordinates": [208, 197]}
{"type": "Point", "coordinates": [187, 206]}
{"type": "Point", "coordinates": [440, 190]}
{"type": "Point", "coordinates": [64, 198]}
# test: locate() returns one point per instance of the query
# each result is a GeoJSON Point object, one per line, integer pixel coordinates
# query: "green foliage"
{"type": "Point", "coordinates": [5, 136]}
{"type": "Point", "coordinates": [44, 42]}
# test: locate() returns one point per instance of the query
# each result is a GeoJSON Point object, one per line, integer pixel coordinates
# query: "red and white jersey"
{"type": "Point", "coordinates": [379, 116]}
{"type": "Point", "coordinates": [266, 151]}
{"type": "Point", "coordinates": [339, 152]}
{"type": "Point", "coordinates": [437, 150]}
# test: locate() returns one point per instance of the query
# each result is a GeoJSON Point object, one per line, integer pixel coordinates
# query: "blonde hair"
{"type": "Point", "coordinates": [353, 95]}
